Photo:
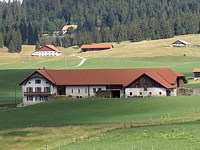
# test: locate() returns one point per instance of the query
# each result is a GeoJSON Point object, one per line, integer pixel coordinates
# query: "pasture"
{"type": "Point", "coordinates": [57, 123]}
{"type": "Point", "coordinates": [53, 121]}
{"type": "Point", "coordinates": [177, 136]}
{"type": "Point", "coordinates": [65, 111]}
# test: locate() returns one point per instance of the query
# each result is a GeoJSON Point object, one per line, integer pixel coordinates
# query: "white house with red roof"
{"type": "Point", "coordinates": [66, 27]}
{"type": "Point", "coordinates": [110, 83]}
{"type": "Point", "coordinates": [47, 50]}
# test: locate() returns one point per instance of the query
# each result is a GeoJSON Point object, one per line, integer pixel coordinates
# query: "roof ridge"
{"type": "Point", "coordinates": [50, 76]}
{"type": "Point", "coordinates": [162, 76]}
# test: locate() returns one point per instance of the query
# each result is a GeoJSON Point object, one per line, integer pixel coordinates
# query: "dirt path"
{"type": "Point", "coordinates": [82, 61]}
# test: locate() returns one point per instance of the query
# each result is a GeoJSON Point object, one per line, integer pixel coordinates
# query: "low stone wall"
{"type": "Point", "coordinates": [187, 91]}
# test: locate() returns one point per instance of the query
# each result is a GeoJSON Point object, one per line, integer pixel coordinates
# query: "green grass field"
{"type": "Point", "coordinates": [99, 111]}
{"type": "Point", "coordinates": [46, 121]}
{"type": "Point", "coordinates": [42, 120]}
{"type": "Point", "coordinates": [166, 137]}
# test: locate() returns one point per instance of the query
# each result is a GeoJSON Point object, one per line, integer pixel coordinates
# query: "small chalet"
{"type": "Point", "coordinates": [47, 50]}
{"type": "Point", "coordinates": [96, 47]}
{"type": "Point", "coordinates": [111, 83]}
{"type": "Point", "coordinates": [180, 43]}
{"type": "Point", "coordinates": [66, 27]}
{"type": "Point", "coordinates": [196, 73]}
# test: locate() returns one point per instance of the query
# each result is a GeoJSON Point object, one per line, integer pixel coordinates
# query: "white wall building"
{"type": "Point", "coordinates": [47, 50]}
{"type": "Point", "coordinates": [180, 43]}
{"type": "Point", "coordinates": [111, 83]}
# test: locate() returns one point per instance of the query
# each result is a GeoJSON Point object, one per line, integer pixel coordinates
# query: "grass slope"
{"type": "Point", "coordinates": [179, 136]}
{"type": "Point", "coordinates": [95, 111]}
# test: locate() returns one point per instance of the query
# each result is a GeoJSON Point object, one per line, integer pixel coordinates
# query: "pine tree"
{"type": "Point", "coordinates": [11, 47]}
{"type": "Point", "coordinates": [1, 40]}
{"type": "Point", "coordinates": [37, 45]}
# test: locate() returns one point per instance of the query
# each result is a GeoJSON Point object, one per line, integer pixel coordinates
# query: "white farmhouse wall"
{"type": "Point", "coordinates": [131, 92]}
{"type": "Point", "coordinates": [31, 83]}
{"type": "Point", "coordinates": [82, 91]}
{"type": "Point", "coordinates": [46, 53]}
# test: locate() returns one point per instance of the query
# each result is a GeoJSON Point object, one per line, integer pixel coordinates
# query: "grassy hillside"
{"type": "Point", "coordinates": [179, 136]}
{"type": "Point", "coordinates": [156, 53]}
{"type": "Point", "coordinates": [97, 111]}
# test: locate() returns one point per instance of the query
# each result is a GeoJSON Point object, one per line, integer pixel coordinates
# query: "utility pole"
{"type": "Point", "coordinates": [65, 62]}
{"type": "Point", "coordinates": [15, 95]}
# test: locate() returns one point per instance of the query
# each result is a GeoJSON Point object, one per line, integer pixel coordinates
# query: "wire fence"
{"type": "Point", "coordinates": [122, 125]}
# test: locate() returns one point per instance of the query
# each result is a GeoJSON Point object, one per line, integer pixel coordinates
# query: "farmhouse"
{"type": "Point", "coordinates": [180, 43]}
{"type": "Point", "coordinates": [66, 27]}
{"type": "Point", "coordinates": [47, 50]}
{"type": "Point", "coordinates": [111, 83]}
{"type": "Point", "coordinates": [96, 47]}
{"type": "Point", "coordinates": [196, 73]}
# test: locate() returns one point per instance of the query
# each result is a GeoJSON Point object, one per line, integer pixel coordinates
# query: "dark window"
{"type": "Point", "coordinates": [29, 98]}
{"type": "Point", "coordinates": [29, 89]}
{"type": "Point", "coordinates": [29, 82]}
{"type": "Point", "coordinates": [47, 89]}
{"type": "Point", "coordinates": [85, 90]}
{"type": "Point", "coordinates": [94, 90]}
{"type": "Point", "coordinates": [47, 82]}
{"type": "Point", "coordinates": [72, 91]}
{"type": "Point", "coordinates": [99, 89]}
{"type": "Point", "coordinates": [131, 93]}
{"type": "Point", "coordinates": [145, 87]}
{"type": "Point", "coordinates": [38, 89]}
{"type": "Point", "coordinates": [140, 93]}
{"type": "Point", "coordinates": [150, 93]}
{"type": "Point", "coordinates": [160, 93]}
{"type": "Point", "coordinates": [37, 81]}
{"type": "Point", "coordinates": [79, 91]}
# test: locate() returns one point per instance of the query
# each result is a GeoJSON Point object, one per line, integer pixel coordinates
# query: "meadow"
{"type": "Point", "coordinates": [57, 123]}
{"type": "Point", "coordinates": [53, 121]}
{"type": "Point", "coordinates": [177, 136]}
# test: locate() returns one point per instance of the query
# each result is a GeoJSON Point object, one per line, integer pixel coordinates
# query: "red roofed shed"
{"type": "Point", "coordinates": [96, 47]}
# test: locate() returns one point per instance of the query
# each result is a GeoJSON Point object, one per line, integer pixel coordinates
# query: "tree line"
{"type": "Point", "coordinates": [97, 21]}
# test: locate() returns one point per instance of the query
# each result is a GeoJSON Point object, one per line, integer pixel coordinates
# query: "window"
{"type": "Point", "coordinates": [47, 82]}
{"type": "Point", "coordinates": [29, 89]}
{"type": "Point", "coordinates": [29, 98]}
{"type": "Point", "coordinates": [99, 89]}
{"type": "Point", "coordinates": [37, 81]}
{"type": "Point", "coordinates": [37, 98]}
{"type": "Point", "coordinates": [72, 91]}
{"type": "Point", "coordinates": [38, 89]}
{"type": "Point", "coordinates": [131, 93]}
{"type": "Point", "coordinates": [29, 82]}
{"type": "Point", "coordinates": [145, 87]}
{"type": "Point", "coordinates": [79, 91]}
{"type": "Point", "coordinates": [140, 93]}
{"type": "Point", "coordinates": [94, 90]}
{"type": "Point", "coordinates": [47, 89]}
{"type": "Point", "coordinates": [150, 93]}
{"type": "Point", "coordinates": [85, 90]}
{"type": "Point", "coordinates": [160, 93]}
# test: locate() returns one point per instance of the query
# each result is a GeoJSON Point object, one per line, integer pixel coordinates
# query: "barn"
{"type": "Point", "coordinates": [96, 47]}
{"type": "Point", "coordinates": [180, 43]}
{"type": "Point", "coordinates": [47, 50]}
{"type": "Point", "coordinates": [111, 83]}
{"type": "Point", "coordinates": [196, 73]}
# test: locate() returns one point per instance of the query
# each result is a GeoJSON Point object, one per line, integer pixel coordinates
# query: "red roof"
{"type": "Point", "coordinates": [196, 70]}
{"type": "Point", "coordinates": [48, 48]}
{"type": "Point", "coordinates": [97, 46]}
{"type": "Point", "coordinates": [164, 76]}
